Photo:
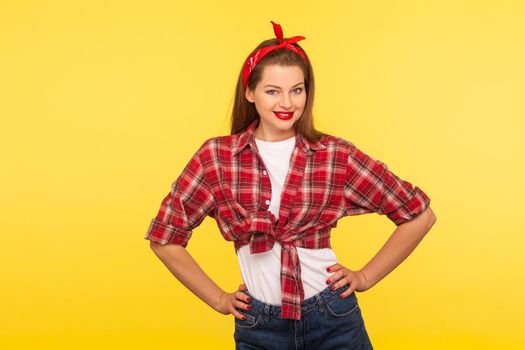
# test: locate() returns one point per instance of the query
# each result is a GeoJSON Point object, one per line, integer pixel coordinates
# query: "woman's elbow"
{"type": "Point", "coordinates": [430, 217]}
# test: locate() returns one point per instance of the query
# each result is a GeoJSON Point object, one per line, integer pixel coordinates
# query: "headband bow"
{"type": "Point", "coordinates": [256, 57]}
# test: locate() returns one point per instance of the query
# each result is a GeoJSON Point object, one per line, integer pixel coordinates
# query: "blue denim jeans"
{"type": "Point", "coordinates": [328, 322]}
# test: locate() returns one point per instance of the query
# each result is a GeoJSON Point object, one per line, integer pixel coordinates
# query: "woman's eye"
{"type": "Point", "coordinates": [297, 91]}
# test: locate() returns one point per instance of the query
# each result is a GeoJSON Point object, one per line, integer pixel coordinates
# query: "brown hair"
{"type": "Point", "coordinates": [244, 112]}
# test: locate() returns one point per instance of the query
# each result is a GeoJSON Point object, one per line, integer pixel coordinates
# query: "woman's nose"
{"type": "Point", "coordinates": [286, 101]}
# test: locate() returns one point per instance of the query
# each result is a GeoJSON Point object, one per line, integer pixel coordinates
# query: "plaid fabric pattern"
{"type": "Point", "coordinates": [226, 179]}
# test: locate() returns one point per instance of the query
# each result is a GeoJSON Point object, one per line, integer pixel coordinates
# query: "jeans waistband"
{"type": "Point", "coordinates": [317, 300]}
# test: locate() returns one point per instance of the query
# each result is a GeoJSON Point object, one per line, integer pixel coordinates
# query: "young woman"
{"type": "Point", "coordinates": [276, 186]}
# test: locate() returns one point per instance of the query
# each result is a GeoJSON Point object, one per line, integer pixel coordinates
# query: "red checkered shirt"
{"type": "Point", "coordinates": [226, 179]}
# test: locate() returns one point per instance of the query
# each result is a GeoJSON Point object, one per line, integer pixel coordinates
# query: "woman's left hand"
{"type": "Point", "coordinates": [343, 276]}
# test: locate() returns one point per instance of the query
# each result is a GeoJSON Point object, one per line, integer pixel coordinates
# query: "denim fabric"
{"type": "Point", "coordinates": [328, 322]}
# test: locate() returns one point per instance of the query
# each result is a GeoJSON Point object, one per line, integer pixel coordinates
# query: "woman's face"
{"type": "Point", "coordinates": [281, 89]}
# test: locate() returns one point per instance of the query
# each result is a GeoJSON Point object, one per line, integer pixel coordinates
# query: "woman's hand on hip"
{"type": "Point", "coordinates": [342, 276]}
{"type": "Point", "coordinates": [230, 302]}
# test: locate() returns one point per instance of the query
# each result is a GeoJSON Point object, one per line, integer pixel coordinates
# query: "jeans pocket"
{"type": "Point", "coordinates": [251, 321]}
{"type": "Point", "coordinates": [343, 307]}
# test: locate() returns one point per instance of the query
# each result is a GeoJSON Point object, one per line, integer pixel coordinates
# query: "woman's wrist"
{"type": "Point", "coordinates": [219, 300]}
{"type": "Point", "coordinates": [366, 279]}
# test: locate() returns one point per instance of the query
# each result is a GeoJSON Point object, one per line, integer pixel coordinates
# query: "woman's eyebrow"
{"type": "Point", "coordinates": [280, 87]}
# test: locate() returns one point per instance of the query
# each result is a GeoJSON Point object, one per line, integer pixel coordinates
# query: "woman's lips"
{"type": "Point", "coordinates": [283, 115]}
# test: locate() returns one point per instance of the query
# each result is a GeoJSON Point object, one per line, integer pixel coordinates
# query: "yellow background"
{"type": "Point", "coordinates": [102, 103]}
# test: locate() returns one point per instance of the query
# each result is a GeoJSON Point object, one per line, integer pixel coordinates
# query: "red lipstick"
{"type": "Point", "coordinates": [284, 115]}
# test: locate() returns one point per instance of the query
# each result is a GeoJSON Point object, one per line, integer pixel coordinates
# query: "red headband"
{"type": "Point", "coordinates": [256, 57]}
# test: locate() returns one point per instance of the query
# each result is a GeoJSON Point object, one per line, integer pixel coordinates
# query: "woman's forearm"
{"type": "Point", "coordinates": [182, 265]}
{"type": "Point", "coordinates": [398, 247]}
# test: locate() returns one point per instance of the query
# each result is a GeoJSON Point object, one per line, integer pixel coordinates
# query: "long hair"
{"type": "Point", "coordinates": [244, 112]}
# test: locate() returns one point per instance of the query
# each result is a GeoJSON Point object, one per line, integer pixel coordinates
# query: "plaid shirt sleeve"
{"type": "Point", "coordinates": [371, 187]}
{"type": "Point", "coordinates": [184, 207]}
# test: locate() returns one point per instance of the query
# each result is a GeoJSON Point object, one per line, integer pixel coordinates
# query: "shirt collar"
{"type": "Point", "coordinates": [247, 137]}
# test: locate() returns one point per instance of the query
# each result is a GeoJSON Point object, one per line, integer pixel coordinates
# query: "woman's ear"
{"type": "Point", "coordinates": [249, 95]}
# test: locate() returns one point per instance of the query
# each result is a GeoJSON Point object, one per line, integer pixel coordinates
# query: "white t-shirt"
{"type": "Point", "coordinates": [261, 272]}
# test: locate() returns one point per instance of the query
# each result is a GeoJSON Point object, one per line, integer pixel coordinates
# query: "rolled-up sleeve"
{"type": "Point", "coordinates": [371, 187]}
{"type": "Point", "coordinates": [184, 207]}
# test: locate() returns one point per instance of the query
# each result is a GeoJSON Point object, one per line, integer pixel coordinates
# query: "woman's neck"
{"type": "Point", "coordinates": [273, 137]}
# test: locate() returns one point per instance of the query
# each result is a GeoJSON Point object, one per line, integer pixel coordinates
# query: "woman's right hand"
{"type": "Point", "coordinates": [230, 302]}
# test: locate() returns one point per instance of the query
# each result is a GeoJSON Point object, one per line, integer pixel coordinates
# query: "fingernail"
{"type": "Point", "coordinates": [249, 307]}
{"type": "Point", "coordinates": [250, 299]}
{"type": "Point", "coordinates": [332, 287]}
{"type": "Point", "coordinates": [328, 269]}
{"type": "Point", "coordinates": [244, 317]}
{"type": "Point", "coordinates": [328, 282]}
{"type": "Point", "coordinates": [340, 295]}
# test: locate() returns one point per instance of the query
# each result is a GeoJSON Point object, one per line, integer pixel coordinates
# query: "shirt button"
{"type": "Point", "coordinates": [267, 202]}
{"type": "Point", "coordinates": [264, 172]}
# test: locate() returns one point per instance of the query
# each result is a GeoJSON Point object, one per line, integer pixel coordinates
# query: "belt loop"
{"type": "Point", "coordinates": [320, 302]}
{"type": "Point", "coordinates": [266, 312]}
